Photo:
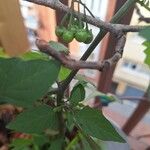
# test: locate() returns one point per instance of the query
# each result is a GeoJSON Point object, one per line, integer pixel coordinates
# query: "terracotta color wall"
{"type": "Point", "coordinates": [47, 23]}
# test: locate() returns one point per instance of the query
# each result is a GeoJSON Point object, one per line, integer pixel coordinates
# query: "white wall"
{"type": "Point", "coordinates": [99, 9]}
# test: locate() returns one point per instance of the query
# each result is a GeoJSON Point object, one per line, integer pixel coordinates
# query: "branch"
{"type": "Point", "coordinates": [141, 17]}
{"type": "Point", "coordinates": [75, 65]}
{"type": "Point", "coordinates": [113, 28]}
{"type": "Point", "coordinates": [115, 19]}
{"type": "Point", "coordinates": [65, 60]}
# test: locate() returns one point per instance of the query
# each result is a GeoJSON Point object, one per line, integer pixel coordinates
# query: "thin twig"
{"type": "Point", "coordinates": [141, 17]}
{"type": "Point", "coordinates": [143, 5]}
{"type": "Point", "coordinates": [113, 28]}
{"type": "Point", "coordinates": [74, 64]}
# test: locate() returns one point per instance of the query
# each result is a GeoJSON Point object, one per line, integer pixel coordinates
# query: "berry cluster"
{"type": "Point", "coordinates": [76, 28]}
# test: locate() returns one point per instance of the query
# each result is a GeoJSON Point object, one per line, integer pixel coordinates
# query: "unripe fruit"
{"type": "Point", "coordinates": [68, 36]}
{"type": "Point", "coordinates": [89, 37]}
{"type": "Point", "coordinates": [59, 31]}
{"type": "Point", "coordinates": [77, 23]}
{"type": "Point", "coordinates": [81, 35]}
{"type": "Point", "coordinates": [73, 28]}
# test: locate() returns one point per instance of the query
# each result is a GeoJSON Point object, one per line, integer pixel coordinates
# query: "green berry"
{"type": "Point", "coordinates": [73, 28]}
{"type": "Point", "coordinates": [68, 36]}
{"type": "Point", "coordinates": [59, 31]}
{"type": "Point", "coordinates": [77, 23]}
{"type": "Point", "coordinates": [89, 37]}
{"type": "Point", "coordinates": [81, 35]}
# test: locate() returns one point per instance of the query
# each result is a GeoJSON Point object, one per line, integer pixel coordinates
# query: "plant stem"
{"type": "Point", "coordinates": [71, 14]}
{"type": "Point", "coordinates": [60, 116]}
{"type": "Point", "coordinates": [73, 142]}
{"type": "Point", "coordinates": [86, 8]}
{"type": "Point", "coordinates": [122, 11]}
{"type": "Point", "coordinates": [91, 142]}
{"type": "Point", "coordinates": [87, 28]}
{"type": "Point", "coordinates": [116, 18]}
{"type": "Point", "coordinates": [143, 5]}
{"type": "Point", "coordinates": [79, 17]}
{"type": "Point", "coordinates": [64, 19]}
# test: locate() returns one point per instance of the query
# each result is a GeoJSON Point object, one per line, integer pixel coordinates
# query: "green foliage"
{"type": "Point", "coordinates": [83, 80]}
{"type": "Point", "coordinates": [73, 144]}
{"type": "Point", "coordinates": [56, 144]}
{"type": "Point", "coordinates": [93, 123]}
{"type": "Point", "coordinates": [105, 98]}
{"type": "Point", "coordinates": [73, 28]}
{"type": "Point", "coordinates": [59, 47]}
{"type": "Point", "coordinates": [70, 121]}
{"type": "Point", "coordinates": [63, 74]}
{"type": "Point", "coordinates": [86, 145]}
{"type": "Point", "coordinates": [39, 140]}
{"type": "Point", "coordinates": [145, 4]}
{"type": "Point", "coordinates": [26, 81]}
{"type": "Point", "coordinates": [35, 120]}
{"type": "Point", "coordinates": [36, 142]}
{"type": "Point", "coordinates": [2, 53]}
{"type": "Point", "coordinates": [23, 82]}
{"type": "Point", "coordinates": [89, 143]}
{"type": "Point", "coordinates": [20, 144]}
{"type": "Point", "coordinates": [77, 94]}
{"type": "Point", "coordinates": [33, 55]}
{"type": "Point", "coordinates": [147, 52]}
{"type": "Point", "coordinates": [145, 33]}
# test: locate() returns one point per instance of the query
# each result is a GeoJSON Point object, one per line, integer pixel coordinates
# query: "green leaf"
{"type": "Point", "coordinates": [70, 121]}
{"type": "Point", "coordinates": [77, 94]}
{"type": "Point", "coordinates": [93, 123]}
{"type": "Point", "coordinates": [40, 139]}
{"type": "Point", "coordinates": [19, 144]}
{"type": "Point", "coordinates": [63, 74]}
{"type": "Point", "coordinates": [35, 120]}
{"type": "Point", "coordinates": [144, 3]}
{"type": "Point", "coordinates": [86, 145]}
{"type": "Point", "coordinates": [23, 82]}
{"type": "Point", "coordinates": [59, 47]}
{"type": "Point", "coordinates": [147, 61]}
{"type": "Point", "coordinates": [83, 80]}
{"type": "Point", "coordinates": [147, 52]}
{"type": "Point", "coordinates": [73, 143]}
{"type": "Point", "coordinates": [56, 144]}
{"type": "Point", "coordinates": [146, 43]}
{"type": "Point", "coordinates": [31, 55]}
{"type": "Point", "coordinates": [2, 53]}
{"type": "Point", "coordinates": [145, 33]}
{"type": "Point", "coordinates": [88, 142]}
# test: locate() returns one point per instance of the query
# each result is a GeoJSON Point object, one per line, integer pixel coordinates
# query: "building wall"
{"type": "Point", "coordinates": [131, 69]}
{"type": "Point", "coordinates": [47, 23]}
